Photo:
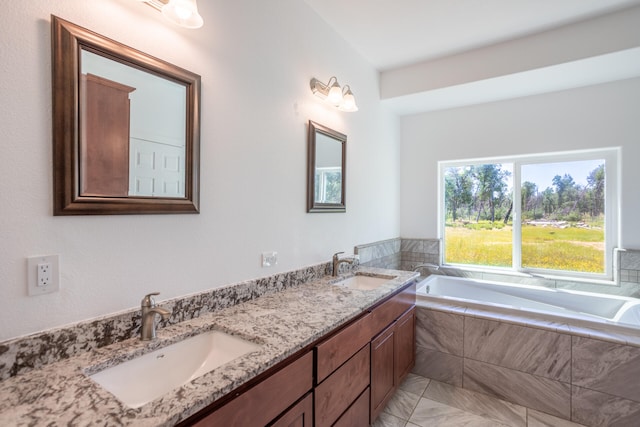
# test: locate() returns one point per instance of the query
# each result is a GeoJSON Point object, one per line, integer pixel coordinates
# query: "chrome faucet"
{"type": "Point", "coordinates": [429, 266]}
{"type": "Point", "coordinates": [149, 311]}
{"type": "Point", "coordinates": [337, 261]}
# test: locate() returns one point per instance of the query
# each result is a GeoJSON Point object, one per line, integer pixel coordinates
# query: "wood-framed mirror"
{"type": "Point", "coordinates": [126, 128]}
{"type": "Point", "coordinates": [326, 169]}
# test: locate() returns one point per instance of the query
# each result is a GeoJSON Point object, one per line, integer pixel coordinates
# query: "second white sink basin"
{"type": "Point", "coordinates": [148, 377]}
{"type": "Point", "coordinates": [364, 283]}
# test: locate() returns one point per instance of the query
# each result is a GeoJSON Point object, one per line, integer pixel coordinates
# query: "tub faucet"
{"type": "Point", "coordinates": [149, 311]}
{"type": "Point", "coordinates": [337, 261]}
{"type": "Point", "coordinates": [429, 266]}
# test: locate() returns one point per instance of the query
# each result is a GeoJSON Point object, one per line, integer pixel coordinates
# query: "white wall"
{"type": "Point", "coordinates": [592, 117]}
{"type": "Point", "coordinates": [256, 59]}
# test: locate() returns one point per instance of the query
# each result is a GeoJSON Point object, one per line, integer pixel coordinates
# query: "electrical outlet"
{"type": "Point", "coordinates": [43, 274]}
{"type": "Point", "coordinates": [269, 259]}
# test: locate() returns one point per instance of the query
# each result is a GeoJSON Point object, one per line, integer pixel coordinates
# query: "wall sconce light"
{"type": "Point", "coordinates": [180, 12]}
{"type": "Point", "coordinates": [342, 98]}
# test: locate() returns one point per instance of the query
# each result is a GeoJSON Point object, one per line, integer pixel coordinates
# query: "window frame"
{"type": "Point", "coordinates": [322, 181]}
{"type": "Point", "coordinates": [611, 156]}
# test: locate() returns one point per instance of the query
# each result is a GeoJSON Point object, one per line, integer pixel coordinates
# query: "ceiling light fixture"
{"type": "Point", "coordinates": [348, 100]}
{"type": "Point", "coordinates": [180, 12]}
{"type": "Point", "coordinates": [340, 97]}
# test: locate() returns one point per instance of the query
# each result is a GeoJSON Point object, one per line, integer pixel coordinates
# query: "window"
{"type": "Point", "coordinates": [564, 223]}
{"type": "Point", "coordinates": [328, 184]}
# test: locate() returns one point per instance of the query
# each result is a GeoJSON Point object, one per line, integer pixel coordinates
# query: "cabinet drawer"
{"type": "Point", "coordinates": [268, 399]}
{"type": "Point", "coordinates": [333, 352]}
{"type": "Point", "coordinates": [358, 414]}
{"type": "Point", "coordinates": [390, 310]}
{"type": "Point", "coordinates": [301, 415]}
{"type": "Point", "coordinates": [341, 388]}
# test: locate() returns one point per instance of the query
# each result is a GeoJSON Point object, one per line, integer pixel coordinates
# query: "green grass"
{"type": "Point", "coordinates": [569, 249]}
{"type": "Point", "coordinates": [478, 247]}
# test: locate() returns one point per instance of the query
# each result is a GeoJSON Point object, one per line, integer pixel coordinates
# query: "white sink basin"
{"type": "Point", "coordinates": [363, 283]}
{"type": "Point", "coordinates": [143, 379]}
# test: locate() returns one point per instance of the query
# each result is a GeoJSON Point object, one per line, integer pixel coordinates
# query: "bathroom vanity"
{"type": "Point", "coordinates": [347, 376]}
{"type": "Point", "coordinates": [326, 353]}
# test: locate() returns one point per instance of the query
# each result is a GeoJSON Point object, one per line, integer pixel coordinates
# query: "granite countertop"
{"type": "Point", "coordinates": [282, 323]}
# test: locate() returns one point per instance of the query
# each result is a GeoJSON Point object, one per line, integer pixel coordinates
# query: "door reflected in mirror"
{"type": "Point", "coordinates": [326, 169]}
{"type": "Point", "coordinates": [126, 128]}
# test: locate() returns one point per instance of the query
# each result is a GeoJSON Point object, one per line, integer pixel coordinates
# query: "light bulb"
{"type": "Point", "coordinates": [335, 94]}
{"type": "Point", "coordinates": [348, 101]}
{"type": "Point", "coordinates": [183, 12]}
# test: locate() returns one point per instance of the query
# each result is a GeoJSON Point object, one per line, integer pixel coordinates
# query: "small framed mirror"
{"type": "Point", "coordinates": [326, 169]}
{"type": "Point", "coordinates": [126, 128]}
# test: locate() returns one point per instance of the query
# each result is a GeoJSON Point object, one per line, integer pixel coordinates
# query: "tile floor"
{"type": "Point", "coordinates": [421, 402]}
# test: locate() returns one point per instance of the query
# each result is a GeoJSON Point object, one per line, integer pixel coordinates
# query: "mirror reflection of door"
{"type": "Point", "coordinates": [146, 141]}
{"type": "Point", "coordinates": [328, 170]}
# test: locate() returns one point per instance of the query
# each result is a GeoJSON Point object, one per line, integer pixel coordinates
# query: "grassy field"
{"type": "Point", "coordinates": [574, 249]}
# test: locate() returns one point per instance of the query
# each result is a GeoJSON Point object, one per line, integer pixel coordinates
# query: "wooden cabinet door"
{"type": "Point", "coordinates": [382, 372]}
{"type": "Point", "coordinates": [405, 345]}
{"type": "Point", "coordinates": [300, 415]}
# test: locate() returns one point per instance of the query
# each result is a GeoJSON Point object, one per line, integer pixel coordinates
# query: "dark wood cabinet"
{"type": "Point", "coordinates": [392, 358]}
{"type": "Point", "coordinates": [104, 137]}
{"type": "Point", "coordinates": [336, 394]}
{"type": "Point", "coordinates": [405, 345]}
{"type": "Point", "coordinates": [358, 414]}
{"type": "Point", "coordinates": [390, 329]}
{"type": "Point", "coordinates": [337, 349]}
{"type": "Point", "coordinates": [383, 378]}
{"type": "Point", "coordinates": [342, 374]}
{"type": "Point", "coordinates": [390, 310]}
{"type": "Point", "coordinates": [299, 415]}
{"type": "Point", "coordinates": [266, 401]}
{"type": "Point", "coordinates": [357, 369]}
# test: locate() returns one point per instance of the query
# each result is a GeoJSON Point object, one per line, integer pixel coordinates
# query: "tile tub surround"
{"type": "Point", "coordinates": [36, 350]}
{"type": "Point", "coordinates": [545, 367]}
{"type": "Point", "coordinates": [419, 251]}
{"type": "Point", "coordinates": [399, 253]}
{"type": "Point", "coordinates": [284, 322]}
{"type": "Point", "coordinates": [382, 254]}
{"type": "Point", "coordinates": [629, 266]}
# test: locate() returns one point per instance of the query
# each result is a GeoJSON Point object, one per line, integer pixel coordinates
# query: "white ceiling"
{"type": "Point", "coordinates": [398, 35]}
{"type": "Point", "coordinates": [395, 33]}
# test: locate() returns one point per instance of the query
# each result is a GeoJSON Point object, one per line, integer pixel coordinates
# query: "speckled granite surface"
{"type": "Point", "coordinates": [61, 393]}
{"type": "Point", "coordinates": [23, 354]}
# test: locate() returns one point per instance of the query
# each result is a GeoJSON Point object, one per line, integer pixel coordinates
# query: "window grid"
{"type": "Point", "coordinates": [611, 232]}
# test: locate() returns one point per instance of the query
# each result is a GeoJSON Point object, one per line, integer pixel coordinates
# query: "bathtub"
{"type": "Point", "coordinates": [570, 354]}
{"type": "Point", "coordinates": [556, 303]}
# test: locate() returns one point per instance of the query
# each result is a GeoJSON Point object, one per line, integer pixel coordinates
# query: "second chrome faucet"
{"type": "Point", "coordinates": [337, 261]}
{"type": "Point", "coordinates": [148, 321]}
